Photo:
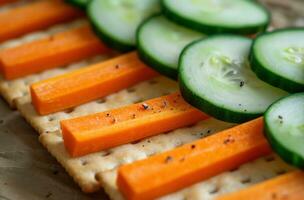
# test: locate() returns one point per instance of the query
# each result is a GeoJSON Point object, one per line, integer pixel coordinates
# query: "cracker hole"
{"type": "Point", "coordinates": [281, 172]}
{"type": "Point", "coordinates": [270, 159]}
{"type": "Point", "coordinates": [84, 162]}
{"type": "Point", "coordinates": [152, 153]}
{"type": "Point", "coordinates": [107, 153]}
{"type": "Point", "coordinates": [70, 110]}
{"type": "Point", "coordinates": [131, 90]}
{"type": "Point", "coordinates": [51, 119]}
{"type": "Point", "coordinates": [234, 169]}
{"type": "Point", "coordinates": [178, 144]}
{"type": "Point", "coordinates": [246, 180]}
{"type": "Point", "coordinates": [101, 101]}
{"type": "Point", "coordinates": [215, 190]}
{"type": "Point", "coordinates": [24, 93]}
{"type": "Point", "coordinates": [152, 82]}
{"type": "Point", "coordinates": [96, 177]}
{"type": "Point", "coordinates": [135, 142]}
{"type": "Point", "coordinates": [27, 82]}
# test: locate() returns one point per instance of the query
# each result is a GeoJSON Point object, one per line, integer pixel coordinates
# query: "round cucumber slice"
{"type": "Point", "coordinates": [215, 76]}
{"type": "Point", "coordinates": [116, 21]}
{"type": "Point", "coordinates": [78, 3]}
{"type": "Point", "coordinates": [218, 16]}
{"type": "Point", "coordinates": [278, 58]}
{"type": "Point", "coordinates": [284, 128]}
{"type": "Point", "coordinates": [160, 43]}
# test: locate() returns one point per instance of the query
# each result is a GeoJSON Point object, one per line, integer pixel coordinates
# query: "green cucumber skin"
{"type": "Point", "coordinates": [156, 65]}
{"type": "Point", "coordinates": [149, 60]}
{"type": "Point", "coordinates": [106, 39]}
{"type": "Point", "coordinates": [209, 29]}
{"type": "Point", "coordinates": [208, 107]}
{"type": "Point", "coordinates": [110, 42]}
{"type": "Point", "coordinates": [77, 3]}
{"type": "Point", "coordinates": [289, 156]}
{"type": "Point", "coordinates": [268, 76]}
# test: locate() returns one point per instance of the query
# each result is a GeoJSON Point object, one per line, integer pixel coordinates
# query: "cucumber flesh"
{"type": "Point", "coordinates": [116, 21]}
{"type": "Point", "coordinates": [215, 76]}
{"type": "Point", "coordinates": [278, 58]}
{"type": "Point", "coordinates": [218, 16]}
{"type": "Point", "coordinates": [160, 43]}
{"type": "Point", "coordinates": [284, 128]}
{"type": "Point", "coordinates": [78, 3]}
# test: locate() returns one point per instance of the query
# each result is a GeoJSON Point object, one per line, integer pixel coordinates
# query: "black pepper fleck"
{"type": "Point", "coordinates": [133, 116]}
{"type": "Point", "coordinates": [228, 140]}
{"type": "Point", "coordinates": [168, 159]}
{"type": "Point", "coordinates": [242, 83]}
{"type": "Point", "coordinates": [193, 146]}
{"type": "Point", "coordinates": [280, 117]}
{"type": "Point", "coordinates": [108, 114]}
{"type": "Point", "coordinates": [114, 120]}
{"type": "Point", "coordinates": [117, 66]}
{"type": "Point", "coordinates": [145, 106]}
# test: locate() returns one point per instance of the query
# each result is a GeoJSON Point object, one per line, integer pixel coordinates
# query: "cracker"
{"type": "Point", "coordinates": [224, 183]}
{"type": "Point", "coordinates": [84, 169]}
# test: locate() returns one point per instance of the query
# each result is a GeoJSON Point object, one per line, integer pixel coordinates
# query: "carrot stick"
{"type": "Point", "coordinates": [34, 16]}
{"type": "Point", "coordinates": [89, 83]}
{"type": "Point", "coordinates": [57, 50]}
{"type": "Point", "coordinates": [105, 130]}
{"type": "Point", "coordinates": [288, 186]}
{"type": "Point", "coordinates": [186, 165]}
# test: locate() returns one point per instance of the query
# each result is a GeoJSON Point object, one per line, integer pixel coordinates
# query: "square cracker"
{"type": "Point", "coordinates": [84, 169]}
{"type": "Point", "coordinates": [246, 175]}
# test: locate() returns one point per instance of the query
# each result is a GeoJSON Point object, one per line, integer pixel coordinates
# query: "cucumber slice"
{"type": "Point", "coordinates": [160, 43]}
{"type": "Point", "coordinates": [278, 58]}
{"type": "Point", "coordinates": [215, 76]}
{"type": "Point", "coordinates": [284, 128]}
{"type": "Point", "coordinates": [218, 16]}
{"type": "Point", "coordinates": [116, 21]}
{"type": "Point", "coordinates": [78, 3]}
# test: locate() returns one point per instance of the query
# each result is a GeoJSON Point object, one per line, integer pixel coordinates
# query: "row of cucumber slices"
{"type": "Point", "coordinates": [220, 71]}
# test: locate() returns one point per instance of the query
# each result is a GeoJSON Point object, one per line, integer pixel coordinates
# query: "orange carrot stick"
{"type": "Point", "coordinates": [186, 165]}
{"type": "Point", "coordinates": [105, 130]}
{"type": "Point", "coordinates": [34, 16]}
{"type": "Point", "coordinates": [89, 83]}
{"type": "Point", "coordinates": [57, 50]}
{"type": "Point", "coordinates": [288, 186]}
